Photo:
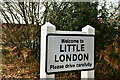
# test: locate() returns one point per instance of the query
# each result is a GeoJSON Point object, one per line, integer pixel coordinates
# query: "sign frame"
{"type": "Point", "coordinates": [53, 34]}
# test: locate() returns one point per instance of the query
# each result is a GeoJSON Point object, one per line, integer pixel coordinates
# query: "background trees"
{"type": "Point", "coordinates": [29, 16]}
{"type": "Point", "coordinates": [74, 16]}
{"type": "Point", "coordinates": [107, 37]}
{"type": "Point", "coordinates": [22, 28]}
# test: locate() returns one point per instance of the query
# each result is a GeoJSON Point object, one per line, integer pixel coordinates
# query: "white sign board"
{"type": "Point", "coordinates": [69, 52]}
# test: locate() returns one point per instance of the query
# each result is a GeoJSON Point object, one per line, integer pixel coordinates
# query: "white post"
{"type": "Point", "coordinates": [45, 29]}
{"type": "Point", "coordinates": [85, 75]}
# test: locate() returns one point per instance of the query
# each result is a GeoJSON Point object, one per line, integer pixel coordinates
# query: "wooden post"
{"type": "Point", "coordinates": [45, 29]}
{"type": "Point", "coordinates": [86, 75]}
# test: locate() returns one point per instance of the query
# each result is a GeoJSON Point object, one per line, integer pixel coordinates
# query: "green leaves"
{"type": "Point", "coordinates": [72, 16]}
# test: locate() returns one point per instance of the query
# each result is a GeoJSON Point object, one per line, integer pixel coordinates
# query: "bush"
{"type": "Point", "coordinates": [5, 51]}
{"type": "Point", "coordinates": [22, 37]}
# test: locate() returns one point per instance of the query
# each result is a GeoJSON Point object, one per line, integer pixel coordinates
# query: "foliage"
{"type": "Point", "coordinates": [74, 16]}
{"type": "Point", "coordinates": [21, 33]}
{"type": "Point", "coordinates": [21, 37]}
{"type": "Point", "coordinates": [107, 30]}
{"type": "Point", "coordinates": [66, 16]}
{"type": "Point", "coordinates": [22, 28]}
{"type": "Point", "coordinates": [14, 67]}
{"type": "Point", "coordinates": [5, 51]}
{"type": "Point", "coordinates": [109, 61]}
{"type": "Point", "coordinates": [107, 39]}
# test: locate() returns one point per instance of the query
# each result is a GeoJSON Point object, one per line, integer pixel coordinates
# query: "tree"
{"type": "Point", "coordinates": [107, 38]}
{"type": "Point", "coordinates": [74, 16]}
{"type": "Point", "coordinates": [70, 16]}
{"type": "Point", "coordinates": [22, 28]}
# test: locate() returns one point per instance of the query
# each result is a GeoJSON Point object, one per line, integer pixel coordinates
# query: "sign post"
{"type": "Point", "coordinates": [64, 51]}
{"type": "Point", "coordinates": [88, 74]}
{"type": "Point", "coordinates": [45, 29]}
